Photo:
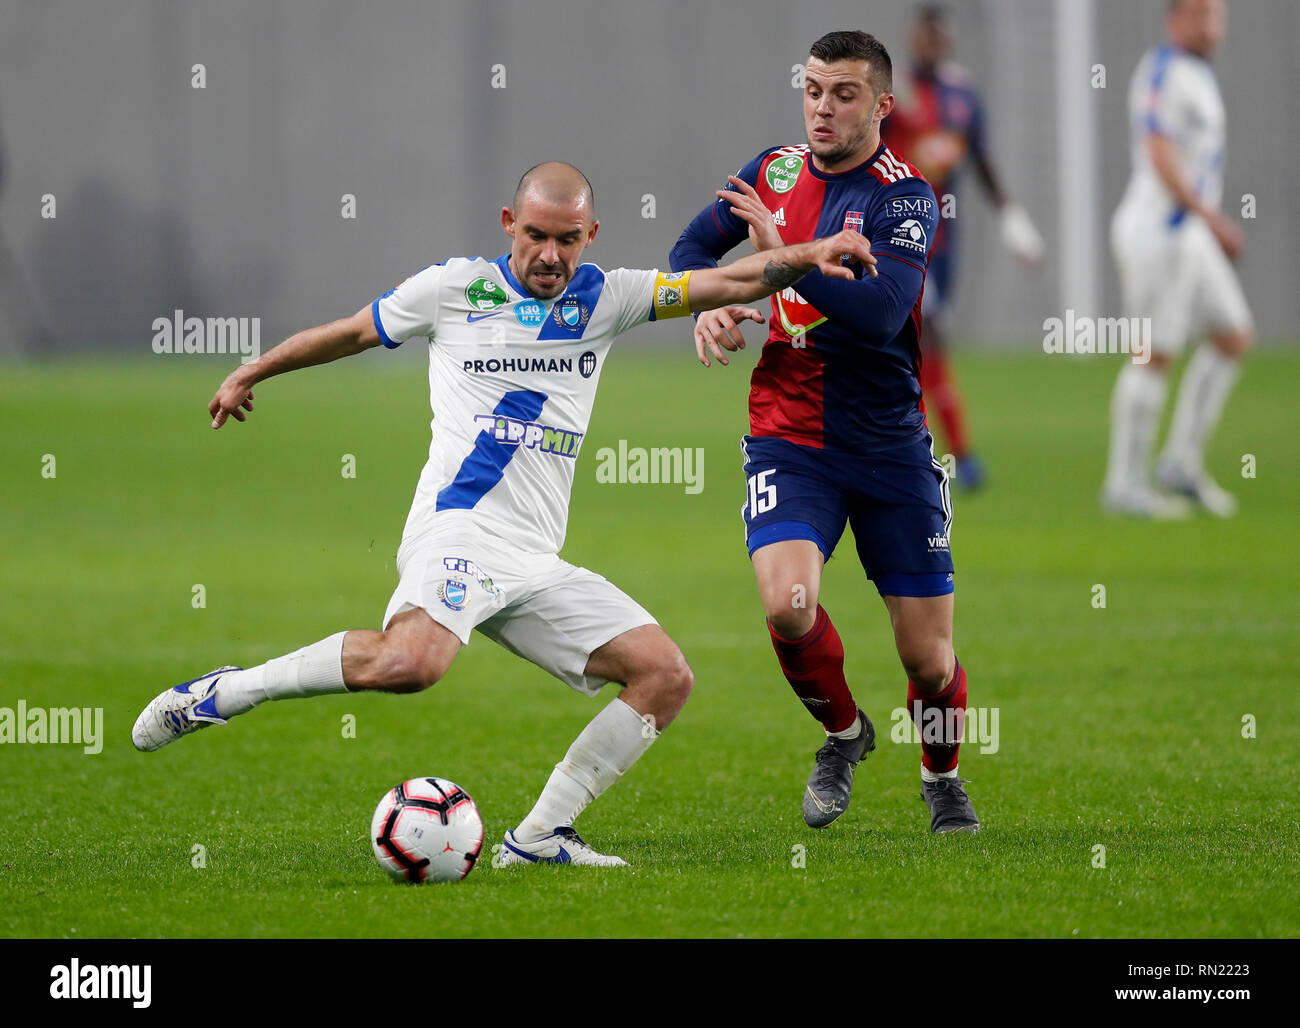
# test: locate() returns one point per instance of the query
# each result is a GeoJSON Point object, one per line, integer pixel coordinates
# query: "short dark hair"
{"type": "Point", "coordinates": [858, 46]}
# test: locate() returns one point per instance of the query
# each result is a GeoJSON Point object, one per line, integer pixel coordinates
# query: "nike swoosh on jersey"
{"type": "Point", "coordinates": [471, 318]}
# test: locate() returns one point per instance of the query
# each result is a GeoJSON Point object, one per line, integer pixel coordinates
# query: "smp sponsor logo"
{"type": "Point", "coordinates": [908, 207]}
{"type": "Point", "coordinates": [657, 465]}
{"type": "Point", "coordinates": [1080, 334]}
{"type": "Point", "coordinates": [531, 365]}
{"type": "Point", "coordinates": [530, 434]}
{"type": "Point", "coordinates": [179, 334]}
{"type": "Point", "coordinates": [946, 726]}
{"type": "Point", "coordinates": [76, 726]}
{"type": "Point", "coordinates": [102, 981]}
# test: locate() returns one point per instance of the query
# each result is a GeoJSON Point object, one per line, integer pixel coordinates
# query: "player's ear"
{"type": "Point", "coordinates": [591, 235]}
{"type": "Point", "coordinates": [508, 222]}
{"type": "Point", "coordinates": [884, 105]}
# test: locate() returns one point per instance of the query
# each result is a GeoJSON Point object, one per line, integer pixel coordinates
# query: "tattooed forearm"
{"type": "Point", "coordinates": [779, 274]}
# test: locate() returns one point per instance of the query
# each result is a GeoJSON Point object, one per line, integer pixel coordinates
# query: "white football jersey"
{"type": "Point", "coordinates": [512, 380]}
{"type": "Point", "coordinates": [1174, 93]}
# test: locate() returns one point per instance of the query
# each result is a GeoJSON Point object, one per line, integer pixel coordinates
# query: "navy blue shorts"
{"type": "Point", "coordinates": [897, 503]}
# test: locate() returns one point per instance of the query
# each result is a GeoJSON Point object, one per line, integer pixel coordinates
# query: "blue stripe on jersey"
{"type": "Point", "coordinates": [486, 463]}
{"type": "Point", "coordinates": [1164, 56]}
{"type": "Point", "coordinates": [379, 325]}
{"type": "Point", "coordinates": [503, 262]}
{"type": "Point", "coordinates": [572, 310]}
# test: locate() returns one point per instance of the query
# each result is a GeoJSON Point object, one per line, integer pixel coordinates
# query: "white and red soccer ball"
{"type": "Point", "coordinates": [427, 830]}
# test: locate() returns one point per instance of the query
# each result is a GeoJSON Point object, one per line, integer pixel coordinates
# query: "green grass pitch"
{"type": "Point", "coordinates": [1120, 727]}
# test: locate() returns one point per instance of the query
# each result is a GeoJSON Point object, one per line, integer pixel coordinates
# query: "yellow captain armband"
{"type": "Point", "coordinates": [672, 295]}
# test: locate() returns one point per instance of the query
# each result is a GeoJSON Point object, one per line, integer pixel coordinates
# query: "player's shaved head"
{"type": "Point", "coordinates": [556, 182]}
{"type": "Point", "coordinates": [1196, 25]}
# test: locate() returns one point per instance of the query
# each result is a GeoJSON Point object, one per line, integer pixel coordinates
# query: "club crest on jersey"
{"type": "Point", "coordinates": [571, 313]}
{"type": "Point", "coordinates": [587, 364]}
{"type": "Point", "coordinates": [781, 174]}
{"type": "Point", "coordinates": [853, 221]}
{"type": "Point", "coordinates": [454, 594]}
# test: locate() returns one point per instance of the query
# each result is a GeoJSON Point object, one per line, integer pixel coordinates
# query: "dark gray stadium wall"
{"type": "Point", "coordinates": [226, 201]}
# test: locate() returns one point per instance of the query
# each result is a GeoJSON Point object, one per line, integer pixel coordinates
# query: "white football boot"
{"type": "Point", "coordinates": [563, 846]}
{"type": "Point", "coordinates": [178, 711]}
{"type": "Point", "coordinates": [1142, 501]}
{"type": "Point", "coordinates": [1199, 487]}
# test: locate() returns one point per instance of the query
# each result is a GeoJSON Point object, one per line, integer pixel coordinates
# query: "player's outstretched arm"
{"type": "Point", "coordinates": [762, 274]}
{"type": "Point", "coordinates": [318, 345]}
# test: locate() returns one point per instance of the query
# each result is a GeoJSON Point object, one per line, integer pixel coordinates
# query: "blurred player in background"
{"type": "Point", "coordinates": [936, 124]}
{"type": "Point", "coordinates": [22, 327]}
{"type": "Point", "coordinates": [837, 433]}
{"type": "Point", "coordinates": [515, 347]}
{"type": "Point", "coordinates": [1173, 246]}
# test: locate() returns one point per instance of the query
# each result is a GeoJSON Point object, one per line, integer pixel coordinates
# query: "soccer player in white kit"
{"type": "Point", "coordinates": [1173, 246]}
{"type": "Point", "coordinates": [516, 346]}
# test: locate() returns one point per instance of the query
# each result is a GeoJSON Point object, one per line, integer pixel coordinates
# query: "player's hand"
{"type": "Point", "coordinates": [718, 330]}
{"type": "Point", "coordinates": [1231, 238]}
{"type": "Point", "coordinates": [1020, 236]}
{"type": "Point", "coordinates": [827, 254]}
{"type": "Point", "coordinates": [749, 207]}
{"type": "Point", "coordinates": [234, 397]}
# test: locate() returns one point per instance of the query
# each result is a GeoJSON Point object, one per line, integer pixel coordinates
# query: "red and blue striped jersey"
{"type": "Point", "coordinates": [839, 368]}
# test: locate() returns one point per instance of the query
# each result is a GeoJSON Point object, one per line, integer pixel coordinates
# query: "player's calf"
{"type": "Point", "coordinates": [411, 655]}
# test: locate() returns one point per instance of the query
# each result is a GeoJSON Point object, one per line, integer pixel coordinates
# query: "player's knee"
{"type": "Point", "coordinates": [406, 670]}
{"type": "Point", "coordinates": [790, 621]}
{"type": "Point", "coordinates": [929, 667]}
{"type": "Point", "coordinates": [1159, 363]}
{"type": "Point", "coordinates": [1234, 345]}
{"type": "Point", "coordinates": [673, 677]}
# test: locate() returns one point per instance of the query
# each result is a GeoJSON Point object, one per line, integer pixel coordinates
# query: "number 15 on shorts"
{"type": "Point", "coordinates": [762, 493]}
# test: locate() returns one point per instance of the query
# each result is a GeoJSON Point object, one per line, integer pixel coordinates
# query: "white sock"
{"type": "Point", "coordinates": [607, 747]}
{"type": "Point", "coordinates": [852, 732]}
{"type": "Point", "coordinates": [312, 670]}
{"type": "Point", "coordinates": [933, 776]}
{"type": "Point", "coordinates": [1204, 390]}
{"type": "Point", "coordinates": [1135, 407]}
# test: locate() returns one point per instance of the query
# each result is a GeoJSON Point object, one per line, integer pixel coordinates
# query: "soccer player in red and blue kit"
{"type": "Point", "coordinates": [938, 122]}
{"type": "Point", "coordinates": [837, 429]}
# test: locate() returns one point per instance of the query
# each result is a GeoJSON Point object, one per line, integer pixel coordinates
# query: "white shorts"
{"type": "Point", "coordinates": [536, 605]}
{"type": "Point", "coordinates": [1180, 278]}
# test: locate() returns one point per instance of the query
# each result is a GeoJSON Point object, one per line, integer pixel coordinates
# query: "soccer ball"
{"type": "Point", "coordinates": [427, 830]}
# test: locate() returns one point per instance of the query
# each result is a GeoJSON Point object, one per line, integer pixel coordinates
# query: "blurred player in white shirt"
{"type": "Point", "coordinates": [1173, 246]}
{"type": "Point", "coordinates": [516, 346]}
